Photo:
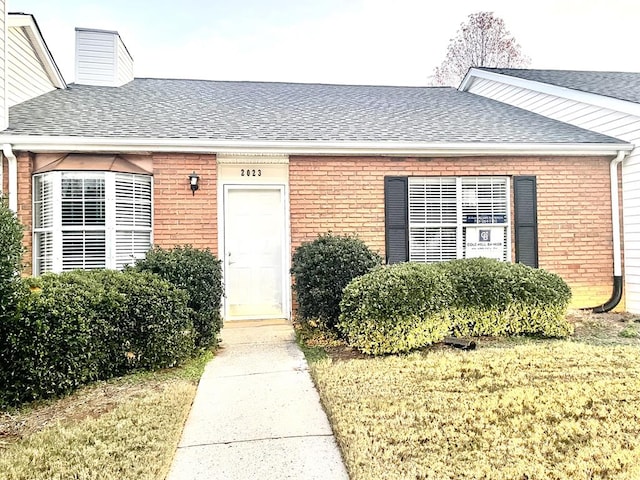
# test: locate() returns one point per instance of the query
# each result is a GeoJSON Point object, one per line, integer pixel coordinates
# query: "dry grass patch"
{"type": "Point", "coordinates": [127, 428]}
{"type": "Point", "coordinates": [549, 410]}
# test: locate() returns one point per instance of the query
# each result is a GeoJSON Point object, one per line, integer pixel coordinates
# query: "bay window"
{"type": "Point", "coordinates": [88, 220]}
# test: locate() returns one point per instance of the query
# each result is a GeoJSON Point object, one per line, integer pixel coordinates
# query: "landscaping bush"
{"type": "Point", "coordinates": [322, 269]}
{"type": "Point", "coordinates": [199, 273]}
{"type": "Point", "coordinates": [396, 309]}
{"type": "Point", "coordinates": [407, 306]}
{"type": "Point", "coordinates": [150, 322]}
{"type": "Point", "coordinates": [81, 326]}
{"type": "Point", "coordinates": [51, 347]}
{"type": "Point", "coordinates": [11, 251]}
{"type": "Point", "coordinates": [500, 299]}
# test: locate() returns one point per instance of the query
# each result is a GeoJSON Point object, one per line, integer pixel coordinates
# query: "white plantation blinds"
{"type": "Point", "coordinates": [43, 224]}
{"type": "Point", "coordinates": [484, 200]}
{"type": "Point", "coordinates": [446, 214]}
{"type": "Point", "coordinates": [133, 217]}
{"type": "Point", "coordinates": [87, 220]}
{"type": "Point", "coordinates": [83, 220]}
{"type": "Point", "coordinates": [433, 219]}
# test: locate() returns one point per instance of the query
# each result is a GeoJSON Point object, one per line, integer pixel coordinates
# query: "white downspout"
{"type": "Point", "coordinates": [616, 295]}
{"type": "Point", "coordinates": [13, 176]}
{"type": "Point", "coordinates": [615, 213]}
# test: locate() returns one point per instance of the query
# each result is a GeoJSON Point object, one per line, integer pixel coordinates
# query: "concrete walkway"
{"type": "Point", "coordinates": [257, 414]}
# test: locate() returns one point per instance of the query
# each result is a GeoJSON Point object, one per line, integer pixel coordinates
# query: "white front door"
{"type": "Point", "coordinates": [254, 252]}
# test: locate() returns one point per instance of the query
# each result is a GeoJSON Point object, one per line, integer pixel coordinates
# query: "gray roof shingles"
{"type": "Point", "coordinates": [619, 85]}
{"type": "Point", "coordinates": [258, 111]}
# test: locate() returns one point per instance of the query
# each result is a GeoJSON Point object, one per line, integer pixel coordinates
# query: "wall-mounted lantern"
{"type": "Point", "coordinates": [193, 182]}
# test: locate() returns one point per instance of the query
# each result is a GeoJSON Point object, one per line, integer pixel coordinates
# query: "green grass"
{"type": "Point", "coordinates": [127, 428]}
{"type": "Point", "coordinates": [536, 410]}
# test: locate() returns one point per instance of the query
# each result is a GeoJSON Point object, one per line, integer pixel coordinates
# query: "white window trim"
{"type": "Point", "coordinates": [110, 228]}
{"type": "Point", "coordinates": [459, 225]}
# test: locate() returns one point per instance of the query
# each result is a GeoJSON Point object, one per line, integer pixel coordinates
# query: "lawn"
{"type": "Point", "coordinates": [524, 409]}
{"type": "Point", "coordinates": [127, 428]}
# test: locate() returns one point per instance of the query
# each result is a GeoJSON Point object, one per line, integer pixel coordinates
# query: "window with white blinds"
{"type": "Point", "coordinates": [458, 217]}
{"type": "Point", "coordinates": [88, 220]}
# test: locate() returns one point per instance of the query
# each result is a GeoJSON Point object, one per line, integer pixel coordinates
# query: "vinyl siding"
{"type": "Point", "coordinates": [95, 58]}
{"type": "Point", "coordinates": [102, 59]}
{"type": "Point", "coordinates": [4, 114]}
{"type": "Point", "coordinates": [27, 76]}
{"type": "Point", "coordinates": [125, 64]}
{"type": "Point", "coordinates": [602, 120]}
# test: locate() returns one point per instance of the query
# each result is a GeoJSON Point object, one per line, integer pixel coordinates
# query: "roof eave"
{"type": "Point", "coordinates": [595, 99]}
{"type": "Point", "coordinates": [42, 144]}
{"type": "Point", "coordinates": [28, 21]}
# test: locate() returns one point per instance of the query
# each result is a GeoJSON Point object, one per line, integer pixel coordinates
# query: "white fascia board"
{"type": "Point", "coordinates": [27, 21]}
{"type": "Point", "coordinates": [550, 89]}
{"type": "Point", "coordinates": [42, 144]}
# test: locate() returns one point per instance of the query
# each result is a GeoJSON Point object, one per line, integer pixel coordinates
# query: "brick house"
{"type": "Point", "coordinates": [101, 169]}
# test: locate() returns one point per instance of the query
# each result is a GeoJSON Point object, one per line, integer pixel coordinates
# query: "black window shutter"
{"type": "Point", "coordinates": [396, 219]}
{"type": "Point", "coordinates": [526, 220]}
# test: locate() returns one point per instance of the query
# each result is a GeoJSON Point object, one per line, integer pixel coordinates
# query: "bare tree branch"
{"type": "Point", "coordinates": [483, 41]}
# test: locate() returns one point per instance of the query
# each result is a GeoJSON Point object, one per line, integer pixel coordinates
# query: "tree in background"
{"type": "Point", "coordinates": [483, 41]}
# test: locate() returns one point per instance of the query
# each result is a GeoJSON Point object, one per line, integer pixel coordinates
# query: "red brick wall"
{"type": "Point", "coordinates": [574, 221]}
{"type": "Point", "coordinates": [179, 216]}
{"type": "Point", "coordinates": [25, 206]}
{"type": "Point", "coordinates": [346, 195]}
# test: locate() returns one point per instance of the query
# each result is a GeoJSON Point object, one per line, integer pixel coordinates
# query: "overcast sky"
{"type": "Point", "coordinates": [375, 42]}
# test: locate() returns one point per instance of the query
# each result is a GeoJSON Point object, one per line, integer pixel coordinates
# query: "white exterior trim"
{"type": "Point", "coordinates": [564, 92]}
{"type": "Point", "coordinates": [12, 167]}
{"type": "Point", "coordinates": [27, 22]}
{"type": "Point", "coordinates": [242, 158]}
{"type": "Point", "coordinates": [53, 144]}
{"type": "Point", "coordinates": [274, 179]}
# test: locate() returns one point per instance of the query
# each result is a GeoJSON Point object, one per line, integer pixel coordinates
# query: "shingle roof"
{"type": "Point", "coordinates": [620, 85]}
{"type": "Point", "coordinates": [238, 111]}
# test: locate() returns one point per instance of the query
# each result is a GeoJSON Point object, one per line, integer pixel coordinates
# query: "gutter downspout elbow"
{"type": "Point", "coordinates": [616, 295]}
{"type": "Point", "coordinates": [12, 162]}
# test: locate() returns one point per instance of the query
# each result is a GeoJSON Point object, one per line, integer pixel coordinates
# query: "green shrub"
{"type": "Point", "coordinates": [150, 323]}
{"type": "Point", "coordinates": [407, 306]}
{"type": "Point", "coordinates": [81, 326]}
{"type": "Point", "coordinates": [51, 347]}
{"type": "Point", "coordinates": [11, 251]}
{"type": "Point", "coordinates": [396, 309]}
{"type": "Point", "coordinates": [199, 273]}
{"type": "Point", "coordinates": [501, 299]}
{"type": "Point", "coordinates": [322, 269]}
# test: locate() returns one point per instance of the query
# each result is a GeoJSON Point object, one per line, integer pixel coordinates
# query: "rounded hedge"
{"type": "Point", "coordinates": [80, 326]}
{"type": "Point", "coordinates": [499, 299]}
{"type": "Point", "coordinates": [200, 274]}
{"type": "Point", "coordinates": [396, 309]}
{"type": "Point", "coordinates": [322, 269]}
{"type": "Point", "coordinates": [407, 306]}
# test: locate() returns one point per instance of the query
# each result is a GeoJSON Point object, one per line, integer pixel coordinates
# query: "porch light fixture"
{"type": "Point", "coordinates": [193, 182]}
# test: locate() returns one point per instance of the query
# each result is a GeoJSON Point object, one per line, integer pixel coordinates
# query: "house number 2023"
{"type": "Point", "coordinates": [250, 172]}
